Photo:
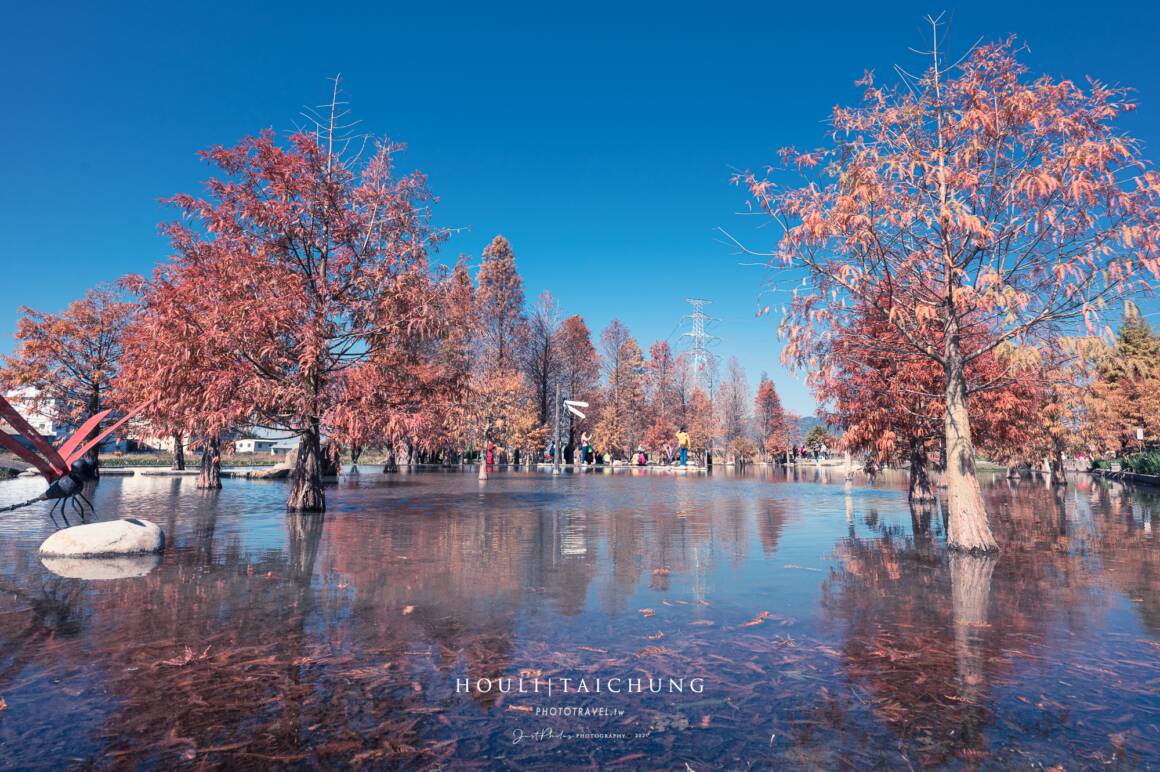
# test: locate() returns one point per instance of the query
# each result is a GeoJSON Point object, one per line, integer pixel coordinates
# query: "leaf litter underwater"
{"type": "Point", "coordinates": [827, 626]}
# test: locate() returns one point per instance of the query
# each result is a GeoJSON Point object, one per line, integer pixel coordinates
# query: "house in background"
{"type": "Point", "coordinates": [42, 414]}
{"type": "Point", "coordinates": [254, 445]}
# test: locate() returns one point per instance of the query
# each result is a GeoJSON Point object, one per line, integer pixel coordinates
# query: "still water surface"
{"type": "Point", "coordinates": [829, 629]}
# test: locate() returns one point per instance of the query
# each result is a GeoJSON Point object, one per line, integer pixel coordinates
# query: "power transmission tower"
{"type": "Point", "coordinates": [701, 359]}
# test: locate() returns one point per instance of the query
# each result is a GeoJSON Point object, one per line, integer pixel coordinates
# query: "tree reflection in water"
{"type": "Point", "coordinates": [932, 642]}
{"type": "Point", "coordinates": [303, 640]}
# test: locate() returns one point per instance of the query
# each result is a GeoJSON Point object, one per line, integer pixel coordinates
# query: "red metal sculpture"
{"type": "Point", "coordinates": [65, 467]}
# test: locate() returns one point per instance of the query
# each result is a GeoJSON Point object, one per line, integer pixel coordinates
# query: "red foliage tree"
{"type": "Point", "coordinates": [307, 267]}
{"type": "Point", "coordinates": [405, 395]}
{"type": "Point", "coordinates": [773, 425]}
{"type": "Point", "coordinates": [889, 399]}
{"type": "Point", "coordinates": [68, 363]}
{"type": "Point", "coordinates": [170, 363]}
{"type": "Point", "coordinates": [663, 415]}
{"type": "Point", "coordinates": [1125, 393]}
{"type": "Point", "coordinates": [500, 303]}
{"type": "Point", "coordinates": [972, 190]}
{"type": "Point", "coordinates": [579, 366]}
{"type": "Point", "coordinates": [622, 363]}
{"type": "Point", "coordinates": [700, 423]}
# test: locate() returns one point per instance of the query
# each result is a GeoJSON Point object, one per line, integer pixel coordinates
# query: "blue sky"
{"type": "Point", "coordinates": [598, 138]}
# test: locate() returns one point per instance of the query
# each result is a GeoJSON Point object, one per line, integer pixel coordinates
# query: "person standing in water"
{"type": "Point", "coordinates": [683, 445]}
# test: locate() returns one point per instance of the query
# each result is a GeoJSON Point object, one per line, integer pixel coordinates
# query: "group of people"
{"type": "Point", "coordinates": [813, 454]}
{"type": "Point", "coordinates": [588, 454]}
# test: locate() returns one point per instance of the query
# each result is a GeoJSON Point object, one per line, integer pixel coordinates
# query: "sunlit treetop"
{"type": "Point", "coordinates": [1016, 202]}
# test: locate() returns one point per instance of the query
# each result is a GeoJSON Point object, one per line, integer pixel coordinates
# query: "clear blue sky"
{"type": "Point", "coordinates": [598, 138]}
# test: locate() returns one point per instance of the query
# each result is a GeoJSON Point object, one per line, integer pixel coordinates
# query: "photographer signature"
{"type": "Point", "coordinates": [519, 735]}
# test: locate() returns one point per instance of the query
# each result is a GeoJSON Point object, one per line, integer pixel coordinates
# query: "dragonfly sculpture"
{"type": "Point", "coordinates": [64, 467]}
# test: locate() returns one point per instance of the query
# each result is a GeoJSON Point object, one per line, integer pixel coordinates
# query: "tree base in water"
{"type": "Point", "coordinates": [958, 549]}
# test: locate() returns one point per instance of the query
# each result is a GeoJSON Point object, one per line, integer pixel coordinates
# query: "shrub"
{"type": "Point", "coordinates": [1144, 463]}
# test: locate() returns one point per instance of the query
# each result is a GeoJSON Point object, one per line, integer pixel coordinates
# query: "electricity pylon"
{"type": "Point", "coordinates": [701, 359]}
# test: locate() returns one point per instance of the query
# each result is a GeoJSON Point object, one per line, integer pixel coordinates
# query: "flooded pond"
{"type": "Point", "coordinates": [764, 620]}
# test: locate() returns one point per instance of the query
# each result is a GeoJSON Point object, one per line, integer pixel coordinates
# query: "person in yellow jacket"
{"type": "Point", "coordinates": [683, 445]}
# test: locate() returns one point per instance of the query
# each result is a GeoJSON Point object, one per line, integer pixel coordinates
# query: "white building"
{"type": "Point", "coordinates": [42, 414]}
{"type": "Point", "coordinates": [254, 445]}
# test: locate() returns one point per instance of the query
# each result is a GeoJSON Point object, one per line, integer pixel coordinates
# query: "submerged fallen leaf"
{"type": "Point", "coordinates": [408, 610]}
{"type": "Point", "coordinates": [648, 612]}
{"type": "Point", "coordinates": [520, 708]}
{"type": "Point", "coordinates": [186, 657]}
{"type": "Point", "coordinates": [656, 636]}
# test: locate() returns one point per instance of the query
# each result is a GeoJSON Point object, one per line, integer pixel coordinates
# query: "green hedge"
{"type": "Point", "coordinates": [1144, 463]}
{"type": "Point", "coordinates": [165, 460]}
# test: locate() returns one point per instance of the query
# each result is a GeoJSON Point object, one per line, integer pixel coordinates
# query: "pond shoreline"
{"type": "Point", "coordinates": [1143, 479]}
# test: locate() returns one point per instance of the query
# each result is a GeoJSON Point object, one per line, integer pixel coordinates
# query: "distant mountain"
{"type": "Point", "coordinates": [807, 422]}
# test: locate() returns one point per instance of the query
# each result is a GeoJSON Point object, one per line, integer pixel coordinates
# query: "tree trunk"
{"type": "Point", "coordinates": [178, 464]}
{"type": "Point", "coordinates": [306, 481]}
{"type": "Point", "coordinates": [968, 529]}
{"type": "Point", "coordinates": [355, 453]}
{"type": "Point", "coordinates": [211, 464]}
{"type": "Point", "coordinates": [94, 455]}
{"type": "Point", "coordinates": [1058, 476]}
{"type": "Point", "coordinates": [921, 491]}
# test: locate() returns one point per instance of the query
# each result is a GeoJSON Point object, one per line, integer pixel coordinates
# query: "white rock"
{"type": "Point", "coordinates": [128, 536]}
{"type": "Point", "coordinates": [117, 567]}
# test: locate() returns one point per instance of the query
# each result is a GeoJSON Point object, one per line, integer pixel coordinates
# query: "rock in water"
{"type": "Point", "coordinates": [128, 536]}
{"type": "Point", "coordinates": [277, 472]}
{"type": "Point", "coordinates": [109, 567]}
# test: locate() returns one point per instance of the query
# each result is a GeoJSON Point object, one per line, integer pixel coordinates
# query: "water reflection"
{"type": "Point", "coordinates": [101, 569]}
{"type": "Point", "coordinates": [830, 626]}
